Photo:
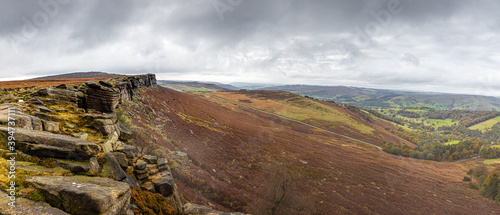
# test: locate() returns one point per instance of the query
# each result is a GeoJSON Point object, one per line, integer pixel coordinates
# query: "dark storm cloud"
{"type": "Point", "coordinates": [385, 43]}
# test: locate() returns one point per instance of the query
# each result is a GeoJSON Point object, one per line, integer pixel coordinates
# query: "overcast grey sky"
{"type": "Point", "coordinates": [433, 45]}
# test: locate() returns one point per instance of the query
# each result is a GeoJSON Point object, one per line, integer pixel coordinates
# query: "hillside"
{"type": "Point", "coordinates": [80, 75]}
{"type": "Point", "coordinates": [242, 159]}
{"type": "Point", "coordinates": [369, 98]}
{"type": "Point", "coordinates": [193, 86]}
{"type": "Point", "coordinates": [44, 82]}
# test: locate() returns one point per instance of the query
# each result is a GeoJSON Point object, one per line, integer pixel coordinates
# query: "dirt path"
{"type": "Point", "coordinates": [297, 121]}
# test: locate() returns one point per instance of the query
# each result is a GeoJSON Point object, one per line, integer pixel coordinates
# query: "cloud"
{"type": "Point", "coordinates": [444, 45]}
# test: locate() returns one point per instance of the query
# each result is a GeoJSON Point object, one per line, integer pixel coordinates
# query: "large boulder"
{"type": "Point", "coordinates": [22, 120]}
{"type": "Point", "coordinates": [112, 143]}
{"type": "Point", "coordinates": [50, 126]}
{"type": "Point", "coordinates": [25, 206]}
{"type": "Point", "coordinates": [129, 150]}
{"type": "Point", "coordinates": [46, 144]}
{"type": "Point", "coordinates": [164, 183]}
{"type": "Point", "coordinates": [106, 123]}
{"type": "Point", "coordinates": [81, 195]}
{"type": "Point", "coordinates": [112, 167]}
{"type": "Point", "coordinates": [61, 94]}
{"type": "Point", "coordinates": [101, 98]}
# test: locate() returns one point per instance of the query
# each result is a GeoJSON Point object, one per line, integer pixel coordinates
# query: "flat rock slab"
{"type": "Point", "coordinates": [25, 206]}
{"type": "Point", "coordinates": [82, 195]}
{"type": "Point", "coordinates": [46, 144]}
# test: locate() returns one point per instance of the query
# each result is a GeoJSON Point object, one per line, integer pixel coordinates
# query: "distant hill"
{"type": "Point", "coordinates": [368, 98]}
{"type": "Point", "coordinates": [191, 86]}
{"type": "Point", "coordinates": [80, 75]}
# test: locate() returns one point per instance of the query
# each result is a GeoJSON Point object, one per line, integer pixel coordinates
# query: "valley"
{"type": "Point", "coordinates": [243, 154]}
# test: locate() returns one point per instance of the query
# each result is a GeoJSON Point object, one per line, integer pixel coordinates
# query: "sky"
{"type": "Point", "coordinates": [427, 45]}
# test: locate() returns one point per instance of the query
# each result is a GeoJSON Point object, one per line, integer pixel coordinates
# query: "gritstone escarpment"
{"type": "Point", "coordinates": [74, 129]}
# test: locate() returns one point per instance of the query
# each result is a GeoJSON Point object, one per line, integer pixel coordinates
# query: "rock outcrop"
{"type": "Point", "coordinates": [46, 144]}
{"type": "Point", "coordinates": [81, 195]}
{"type": "Point", "coordinates": [22, 120]}
{"type": "Point", "coordinates": [105, 96]}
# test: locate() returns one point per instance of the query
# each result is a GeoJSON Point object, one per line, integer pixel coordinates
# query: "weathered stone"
{"type": "Point", "coordinates": [125, 133]}
{"type": "Point", "coordinates": [25, 206]}
{"type": "Point", "coordinates": [35, 101]}
{"type": "Point", "coordinates": [81, 135]}
{"type": "Point", "coordinates": [122, 159]}
{"type": "Point", "coordinates": [129, 180]}
{"type": "Point", "coordinates": [101, 98]}
{"type": "Point", "coordinates": [75, 167]}
{"type": "Point", "coordinates": [32, 168]}
{"type": "Point", "coordinates": [62, 94]}
{"type": "Point", "coordinates": [164, 183]}
{"type": "Point", "coordinates": [112, 167]}
{"type": "Point", "coordinates": [111, 143]}
{"type": "Point", "coordinates": [83, 195]}
{"type": "Point", "coordinates": [22, 120]}
{"type": "Point", "coordinates": [41, 92]}
{"type": "Point", "coordinates": [162, 164]}
{"type": "Point", "coordinates": [43, 116]}
{"type": "Point", "coordinates": [194, 209]}
{"type": "Point", "coordinates": [150, 159]}
{"type": "Point", "coordinates": [50, 126]}
{"type": "Point", "coordinates": [62, 86]}
{"type": "Point", "coordinates": [44, 109]}
{"type": "Point", "coordinates": [181, 155]}
{"type": "Point", "coordinates": [129, 150]}
{"type": "Point", "coordinates": [142, 176]}
{"type": "Point", "coordinates": [148, 186]}
{"type": "Point", "coordinates": [152, 169]}
{"type": "Point", "coordinates": [46, 144]}
{"type": "Point", "coordinates": [94, 166]}
{"type": "Point", "coordinates": [69, 125]}
{"type": "Point", "coordinates": [141, 171]}
{"type": "Point", "coordinates": [140, 164]}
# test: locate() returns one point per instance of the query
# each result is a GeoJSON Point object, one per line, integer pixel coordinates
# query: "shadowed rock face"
{"type": "Point", "coordinates": [84, 195]}
{"type": "Point", "coordinates": [46, 144]}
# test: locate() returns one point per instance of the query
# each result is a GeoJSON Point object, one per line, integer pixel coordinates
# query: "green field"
{"type": "Point", "coordinates": [486, 124]}
{"type": "Point", "coordinates": [440, 122]}
{"type": "Point", "coordinates": [491, 161]}
{"type": "Point", "coordinates": [452, 142]}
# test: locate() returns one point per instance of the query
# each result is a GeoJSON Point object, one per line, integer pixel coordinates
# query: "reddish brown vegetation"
{"type": "Point", "coordinates": [44, 82]}
{"type": "Point", "coordinates": [245, 153]}
{"type": "Point", "coordinates": [150, 203]}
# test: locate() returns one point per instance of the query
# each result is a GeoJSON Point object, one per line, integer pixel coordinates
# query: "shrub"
{"type": "Point", "coordinates": [150, 203]}
{"type": "Point", "coordinates": [466, 179]}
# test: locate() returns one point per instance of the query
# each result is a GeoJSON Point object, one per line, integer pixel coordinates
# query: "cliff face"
{"type": "Point", "coordinates": [105, 96]}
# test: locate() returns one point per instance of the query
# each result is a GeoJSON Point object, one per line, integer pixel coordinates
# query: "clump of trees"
{"type": "Point", "coordinates": [488, 184]}
{"type": "Point", "coordinates": [438, 152]}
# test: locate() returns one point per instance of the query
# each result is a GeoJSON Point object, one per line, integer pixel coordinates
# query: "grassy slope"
{"type": "Point", "coordinates": [318, 113]}
{"type": "Point", "coordinates": [238, 165]}
{"type": "Point", "coordinates": [483, 126]}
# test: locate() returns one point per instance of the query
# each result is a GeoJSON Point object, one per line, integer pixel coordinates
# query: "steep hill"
{"type": "Point", "coordinates": [80, 75]}
{"type": "Point", "coordinates": [242, 159]}
{"type": "Point", "coordinates": [365, 97]}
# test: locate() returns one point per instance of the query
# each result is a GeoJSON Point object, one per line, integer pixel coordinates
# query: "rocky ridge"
{"type": "Point", "coordinates": [77, 127]}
